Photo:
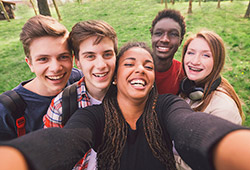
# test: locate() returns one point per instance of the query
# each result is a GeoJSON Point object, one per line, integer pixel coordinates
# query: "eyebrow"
{"type": "Point", "coordinates": [129, 58]}
{"type": "Point", "coordinates": [87, 52]}
{"type": "Point", "coordinates": [209, 51]}
{"type": "Point", "coordinates": [91, 52]}
{"type": "Point", "coordinates": [149, 61]}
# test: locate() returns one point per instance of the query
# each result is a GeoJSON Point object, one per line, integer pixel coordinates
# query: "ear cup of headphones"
{"type": "Point", "coordinates": [196, 93]}
{"type": "Point", "coordinates": [188, 87]}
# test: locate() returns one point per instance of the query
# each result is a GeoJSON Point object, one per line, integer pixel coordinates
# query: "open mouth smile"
{"type": "Point", "coordinates": [56, 77]}
{"type": "Point", "coordinates": [138, 83]}
{"type": "Point", "coordinates": [100, 74]}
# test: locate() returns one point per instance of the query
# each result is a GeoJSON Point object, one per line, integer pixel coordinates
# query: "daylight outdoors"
{"type": "Point", "coordinates": [131, 20]}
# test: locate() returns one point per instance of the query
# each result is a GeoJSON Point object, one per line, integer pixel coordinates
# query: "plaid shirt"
{"type": "Point", "coordinates": [53, 118]}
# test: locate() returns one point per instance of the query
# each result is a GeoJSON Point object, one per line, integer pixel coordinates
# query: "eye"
{"type": "Point", "coordinates": [42, 59]}
{"type": "Point", "coordinates": [108, 55]}
{"type": "Point", "coordinates": [128, 64]}
{"type": "Point", "coordinates": [64, 57]}
{"type": "Point", "coordinates": [174, 34]}
{"type": "Point", "coordinates": [190, 53]}
{"type": "Point", "coordinates": [206, 55]}
{"type": "Point", "coordinates": [90, 57]}
{"type": "Point", "coordinates": [157, 33]}
{"type": "Point", "coordinates": [149, 67]}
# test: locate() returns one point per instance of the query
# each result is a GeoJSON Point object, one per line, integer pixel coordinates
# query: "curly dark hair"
{"type": "Point", "coordinates": [173, 14]}
{"type": "Point", "coordinates": [116, 129]}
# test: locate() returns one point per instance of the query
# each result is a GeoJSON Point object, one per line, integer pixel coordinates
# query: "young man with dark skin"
{"type": "Point", "coordinates": [167, 32]}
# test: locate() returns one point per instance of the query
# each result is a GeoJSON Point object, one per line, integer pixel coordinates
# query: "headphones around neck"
{"type": "Point", "coordinates": [196, 93]}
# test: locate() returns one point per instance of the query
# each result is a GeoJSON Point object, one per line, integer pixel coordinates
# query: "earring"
{"type": "Point", "coordinates": [153, 86]}
{"type": "Point", "coordinates": [114, 82]}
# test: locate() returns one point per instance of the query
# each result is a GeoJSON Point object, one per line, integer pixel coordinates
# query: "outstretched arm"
{"type": "Point", "coordinates": [233, 151]}
{"type": "Point", "coordinates": [11, 158]}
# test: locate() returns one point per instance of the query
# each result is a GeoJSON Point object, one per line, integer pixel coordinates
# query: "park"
{"type": "Point", "coordinates": [132, 19]}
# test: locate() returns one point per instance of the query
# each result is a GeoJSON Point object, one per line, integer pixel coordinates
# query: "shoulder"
{"type": "Point", "coordinates": [75, 76]}
{"type": "Point", "coordinates": [225, 107]}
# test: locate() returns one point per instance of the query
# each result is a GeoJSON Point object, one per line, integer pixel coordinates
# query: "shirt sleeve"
{"type": "Point", "coordinates": [194, 133]}
{"type": "Point", "coordinates": [62, 148]}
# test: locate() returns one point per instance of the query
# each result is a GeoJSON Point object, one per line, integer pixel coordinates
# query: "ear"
{"type": "Point", "coordinates": [28, 61]}
{"type": "Point", "coordinates": [114, 81]}
{"type": "Point", "coordinates": [78, 64]}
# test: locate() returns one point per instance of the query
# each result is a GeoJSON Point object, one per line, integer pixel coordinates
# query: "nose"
{"type": "Point", "coordinates": [55, 66]}
{"type": "Point", "coordinates": [196, 59]}
{"type": "Point", "coordinates": [140, 69]}
{"type": "Point", "coordinates": [165, 37]}
{"type": "Point", "coordinates": [100, 63]}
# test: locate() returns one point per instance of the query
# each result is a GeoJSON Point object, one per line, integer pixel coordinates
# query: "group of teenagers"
{"type": "Point", "coordinates": [145, 109]}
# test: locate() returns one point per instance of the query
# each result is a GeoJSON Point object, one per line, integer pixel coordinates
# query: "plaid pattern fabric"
{"type": "Point", "coordinates": [83, 163]}
{"type": "Point", "coordinates": [53, 118]}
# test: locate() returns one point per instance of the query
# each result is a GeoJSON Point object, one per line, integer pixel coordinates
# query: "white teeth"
{"type": "Point", "coordinates": [195, 69]}
{"type": "Point", "coordinates": [100, 75]}
{"type": "Point", "coordinates": [163, 48]}
{"type": "Point", "coordinates": [138, 82]}
{"type": "Point", "coordinates": [55, 77]}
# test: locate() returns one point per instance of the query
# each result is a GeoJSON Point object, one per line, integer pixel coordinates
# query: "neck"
{"type": "Point", "coordinates": [131, 110]}
{"type": "Point", "coordinates": [97, 93]}
{"type": "Point", "coordinates": [36, 87]}
{"type": "Point", "coordinates": [163, 64]}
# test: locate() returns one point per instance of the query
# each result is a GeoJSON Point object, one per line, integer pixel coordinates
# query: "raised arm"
{"type": "Point", "coordinates": [195, 134]}
{"type": "Point", "coordinates": [11, 158]}
{"type": "Point", "coordinates": [59, 148]}
{"type": "Point", "coordinates": [233, 151]}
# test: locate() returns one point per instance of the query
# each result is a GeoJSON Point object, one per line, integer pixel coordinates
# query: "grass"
{"type": "Point", "coordinates": [131, 20]}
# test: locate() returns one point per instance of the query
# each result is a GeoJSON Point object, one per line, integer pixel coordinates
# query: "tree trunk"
{"type": "Point", "coordinates": [43, 7]}
{"type": "Point", "coordinates": [218, 6]}
{"type": "Point", "coordinates": [33, 6]}
{"type": "Point", "coordinates": [190, 7]}
{"type": "Point", "coordinates": [57, 10]}
{"type": "Point", "coordinates": [4, 11]}
{"type": "Point", "coordinates": [247, 14]}
{"type": "Point", "coordinates": [166, 4]}
{"type": "Point", "coordinates": [173, 1]}
{"type": "Point", "coordinates": [161, 1]}
{"type": "Point", "coordinates": [199, 2]}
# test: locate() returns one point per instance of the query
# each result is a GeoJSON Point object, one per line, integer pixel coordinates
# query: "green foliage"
{"type": "Point", "coordinates": [132, 20]}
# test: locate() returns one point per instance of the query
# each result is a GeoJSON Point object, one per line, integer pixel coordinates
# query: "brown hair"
{"type": "Point", "coordinates": [173, 14]}
{"type": "Point", "coordinates": [40, 26]}
{"type": "Point", "coordinates": [217, 48]}
{"type": "Point", "coordinates": [116, 129]}
{"type": "Point", "coordinates": [85, 29]}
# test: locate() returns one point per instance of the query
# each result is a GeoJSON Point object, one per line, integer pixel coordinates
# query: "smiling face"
{"type": "Point", "coordinates": [166, 39]}
{"type": "Point", "coordinates": [51, 61]}
{"type": "Point", "coordinates": [97, 62]}
{"type": "Point", "coordinates": [135, 74]}
{"type": "Point", "coordinates": [198, 60]}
